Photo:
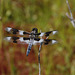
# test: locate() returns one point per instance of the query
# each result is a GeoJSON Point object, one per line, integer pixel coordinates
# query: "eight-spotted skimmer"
{"type": "Point", "coordinates": [33, 38]}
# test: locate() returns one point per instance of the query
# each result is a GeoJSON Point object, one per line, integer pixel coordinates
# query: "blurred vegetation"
{"type": "Point", "coordinates": [58, 59]}
{"type": "Point", "coordinates": [0, 26]}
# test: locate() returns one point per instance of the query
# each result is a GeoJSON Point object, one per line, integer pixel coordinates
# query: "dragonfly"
{"type": "Point", "coordinates": [34, 38]}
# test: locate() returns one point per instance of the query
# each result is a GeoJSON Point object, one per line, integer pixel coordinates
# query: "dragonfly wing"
{"type": "Point", "coordinates": [50, 41]}
{"type": "Point", "coordinates": [45, 41]}
{"type": "Point", "coordinates": [16, 31]}
{"type": "Point", "coordinates": [48, 33]}
{"type": "Point", "coordinates": [19, 40]}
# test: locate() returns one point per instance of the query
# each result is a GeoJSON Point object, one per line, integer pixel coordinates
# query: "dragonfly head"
{"type": "Point", "coordinates": [35, 30]}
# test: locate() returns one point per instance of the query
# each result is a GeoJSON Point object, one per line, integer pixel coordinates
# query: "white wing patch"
{"type": "Point", "coordinates": [21, 32]}
{"type": "Point", "coordinates": [27, 41]}
{"type": "Point", "coordinates": [8, 29]}
{"type": "Point", "coordinates": [22, 40]}
{"type": "Point", "coordinates": [41, 40]}
{"type": "Point", "coordinates": [35, 42]}
{"type": "Point", "coordinates": [38, 42]}
{"type": "Point", "coordinates": [41, 34]}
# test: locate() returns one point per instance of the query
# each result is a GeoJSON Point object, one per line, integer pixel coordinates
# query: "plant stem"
{"type": "Point", "coordinates": [39, 59]}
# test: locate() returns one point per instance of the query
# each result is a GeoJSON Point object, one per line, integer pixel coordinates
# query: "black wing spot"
{"type": "Point", "coordinates": [47, 33]}
{"type": "Point", "coordinates": [24, 33]}
{"type": "Point", "coordinates": [15, 38]}
{"type": "Point", "coordinates": [26, 38]}
{"type": "Point", "coordinates": [37, 39]}
{"type": "Point", "coordinates": [15, 31]}
{"type": "Point", "coordinates": [14, 41]}
{"type": "Point", "coordinates": [47, 41]}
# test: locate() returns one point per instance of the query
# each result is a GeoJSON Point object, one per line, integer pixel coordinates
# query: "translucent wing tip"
{"type": "Point", "coordinates": [8, 29]}
{"type": "Point", "coordinates": [54, 41]}
{"type": "Point", "coordinates": [54, 32]}
{"type": "Point", "coordinates": [7, 38]}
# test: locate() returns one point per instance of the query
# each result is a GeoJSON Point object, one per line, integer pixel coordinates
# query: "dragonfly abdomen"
{"type": "Point", "coordinates": [29, 48]}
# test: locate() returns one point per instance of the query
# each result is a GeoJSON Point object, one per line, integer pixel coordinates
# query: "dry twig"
{"type": "Point", "coordinates": [71, 16]}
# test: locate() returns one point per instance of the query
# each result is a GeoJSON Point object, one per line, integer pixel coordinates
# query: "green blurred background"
{"type": "Point", "coordinates": [58, 59]}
